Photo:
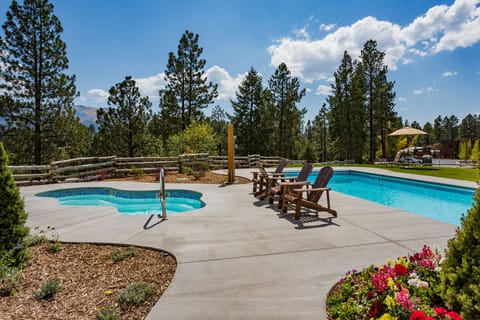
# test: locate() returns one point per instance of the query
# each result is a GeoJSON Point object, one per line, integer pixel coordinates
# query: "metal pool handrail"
{"type": "Point", "coordinates": [161, 193]}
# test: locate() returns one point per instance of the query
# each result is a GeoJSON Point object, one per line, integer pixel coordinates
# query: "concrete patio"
{"type": "Point", "coordinates": [240, 258]}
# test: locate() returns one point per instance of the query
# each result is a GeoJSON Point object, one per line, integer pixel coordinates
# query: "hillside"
{"type": "Point", "coordinates": [87, 115]}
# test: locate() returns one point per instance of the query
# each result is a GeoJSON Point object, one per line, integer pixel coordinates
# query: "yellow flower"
{"type": "Point", "coordinates": [108, 292]}
{"type": "Point", "coordinates": [386, 316]}
{"type": "Point", "coordinates": [390, 282]}
{"type": "Point", "coordinates": [390, 302]}
{"type": "Point", "coordinates": [389, 262]}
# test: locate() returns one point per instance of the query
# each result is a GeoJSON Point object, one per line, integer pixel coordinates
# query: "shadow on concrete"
{"type": "Point", "coordinates": [147, 224]}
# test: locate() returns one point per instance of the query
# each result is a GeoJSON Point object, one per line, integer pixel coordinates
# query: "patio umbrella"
{"type": "Point", "coordinates": [407, 131]}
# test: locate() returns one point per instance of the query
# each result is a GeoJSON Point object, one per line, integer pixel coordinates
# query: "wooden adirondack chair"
{"type": "Point", "coordinates": [289, 182]}
{"type": "Point", "coordinates": [260, 179]}
{"type": "Point", "coordinates": [295, 197]}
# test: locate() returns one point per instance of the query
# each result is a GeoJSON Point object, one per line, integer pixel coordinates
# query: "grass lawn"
{"type": "Point", "coordinates": [442, 172]}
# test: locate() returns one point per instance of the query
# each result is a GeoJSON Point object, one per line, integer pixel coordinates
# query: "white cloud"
{"type": "Point", "coordinates": [449, 73]}
{"type": "Point", "coordinates": [441, 28]}
{"type": "Point", "coordinates": [424, 90]}
{"type": "Point", "coordinates": [98, 95]}
{"type": "Point", "coordinates": [327, 27]}
{"type": "Point", "coordinates": [227, 85]}
{"type": "Point", "coordinates": [402, 99]}
{"type": "Point", "coordinates": [150, 86]}
{"type": "Point", "coordinates": [323, 90]}
{"type": "Point", "coordinates": [301, 33]}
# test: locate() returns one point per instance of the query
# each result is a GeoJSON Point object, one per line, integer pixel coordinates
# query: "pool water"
{"type": "Point", "coordinates": [437, 201]}
{"type": "Point", "coordinates": [128, 202]}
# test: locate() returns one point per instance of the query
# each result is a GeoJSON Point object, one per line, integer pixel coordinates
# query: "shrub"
{"type": "Point", "coordinates": [48, 289]}
{"type": "Point", "coordinates": [460, 286]}
{"type": "Point", "coordinates": [123, 253]}
{"type": "Point", "coordinates": [107, 313]}
{"type": "Point", "coordinates": [8, 279]}
{"type": "Point", "coordinates": [12, 216]}
{"type": "Point", "coordinates": [135, 294]}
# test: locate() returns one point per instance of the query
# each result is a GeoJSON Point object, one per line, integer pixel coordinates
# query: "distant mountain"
{"type": "Point", "coordinates": [87, 115]}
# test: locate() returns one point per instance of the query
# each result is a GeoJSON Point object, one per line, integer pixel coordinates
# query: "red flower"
{"type": "Point", "coordinates": [454, 316]}
{"type": "Point", "coordinates": [418, 315]}
{"type": "Point", "coordinates": [400, 269]}
{"type": "Point", "coordinates": [370, 295]}
{"type": "Point", "coordinates": [442, 312]}
{"type": "Point", "coordinates": [375, 309]}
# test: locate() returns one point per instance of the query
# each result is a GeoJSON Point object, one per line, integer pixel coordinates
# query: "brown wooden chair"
{"type": "Point", "coordinates": [278, 188]}
{"type": "Point", "coordinates": [260, 178]}
{"type": "Point", "coordinates": [295, 197]}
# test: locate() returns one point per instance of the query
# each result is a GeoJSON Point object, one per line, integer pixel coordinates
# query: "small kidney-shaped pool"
{"type": "Point", "coordinates": [127, 201]}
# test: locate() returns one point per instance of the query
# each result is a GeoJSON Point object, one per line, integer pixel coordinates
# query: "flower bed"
{"type": "Point", "coordinates": [407, 288]}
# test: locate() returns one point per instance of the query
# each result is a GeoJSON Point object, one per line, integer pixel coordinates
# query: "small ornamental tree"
{"type": "Point", "coordinates": [12, 217]}
{"type": "Point", "coordinates": [460, 273]}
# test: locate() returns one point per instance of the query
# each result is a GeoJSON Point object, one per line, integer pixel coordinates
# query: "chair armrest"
{"type": "Point", "coordinates": [293, 183]}
{"type": "Point", "coordinates": [310, 190]}
{"type": "Point", "coordinates": [319, 189]}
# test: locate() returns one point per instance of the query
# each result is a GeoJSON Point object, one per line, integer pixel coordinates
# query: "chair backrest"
{"type": "Point", "coordinates": [321, 181]}
{"type": "Point", "coordinates": [259, 164]}
{"type": "Point", "coordinates": [305, 172]}
{"type": "Point", "coordinates": [281, 166]}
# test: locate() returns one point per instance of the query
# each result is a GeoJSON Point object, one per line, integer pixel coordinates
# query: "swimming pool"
{"type": "Point", "coordinates": [437, 201]}
{"type": "Point", "coordinates": [128, 202]}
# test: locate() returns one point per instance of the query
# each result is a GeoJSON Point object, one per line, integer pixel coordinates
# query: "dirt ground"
{"type": "Point", "coordinates": [89, 278]}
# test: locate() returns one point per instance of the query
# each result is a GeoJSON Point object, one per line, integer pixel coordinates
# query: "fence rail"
{"type": "Point", "coordinates": [98, 168]}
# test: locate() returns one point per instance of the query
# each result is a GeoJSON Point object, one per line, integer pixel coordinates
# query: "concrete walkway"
{"type": "Point", "coordinates": [239, 258]}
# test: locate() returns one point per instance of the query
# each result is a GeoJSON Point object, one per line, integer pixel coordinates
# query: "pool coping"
{"type": "Point", "coordinates": [240, 258]}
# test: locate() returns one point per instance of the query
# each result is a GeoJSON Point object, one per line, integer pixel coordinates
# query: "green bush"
{"type": "Point", "coordinates": [123, 253]}
{"type": "Point", "coordinates": [135, 294]}
{"type": "Point", "coordinates": [461, 269]}
{"type": "Point", "coordinates": [107, 313]}
{"type": "Point", "coordinates": [12, 216]}
{"type": "Point", "coordinates": [48, 289]}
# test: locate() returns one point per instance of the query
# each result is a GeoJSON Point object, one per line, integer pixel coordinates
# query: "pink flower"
{"type": "Point", "coordinates": [403, 297]}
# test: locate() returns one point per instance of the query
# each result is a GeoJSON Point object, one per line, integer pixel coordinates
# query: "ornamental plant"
{"type": "Point", "coordinates": [404, 289]}
{"type": "Point", "coordinates": [13, 231]}
{"type": "Point", "coordinates": [460, 276]}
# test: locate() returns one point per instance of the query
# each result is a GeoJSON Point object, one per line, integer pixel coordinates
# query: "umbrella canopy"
{"type": "Point", "coordinates": [407, 131]}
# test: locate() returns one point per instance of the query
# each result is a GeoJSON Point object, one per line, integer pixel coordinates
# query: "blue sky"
{"type": "Point", "coordinates": [432, 47]}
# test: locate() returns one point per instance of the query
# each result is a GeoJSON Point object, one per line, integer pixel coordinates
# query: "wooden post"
{"type": "Point", "coordinates": [231, 155]}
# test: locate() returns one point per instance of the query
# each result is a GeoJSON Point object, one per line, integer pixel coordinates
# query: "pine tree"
{"type": "Point", "coordinates": [286, 93]}
{"type": "Point", "coordinates": [32, 73]}
{"type": "Point", "coordinates": [249, 101]}
{"type": "Point", "coordinates": [123, 130]}
{"type": "Point", "coordinates": [347, 111]}
{"type": "Point", "coordinates": [12, 217]}
{"type": "Point", "coordinates": [320, 133]}
{"type": "Point", "coordinates": [187, 87]}
{"type": "Point", "coordinates": [379, 94]}
{"type": "Point", "coordinates": [460, 272]}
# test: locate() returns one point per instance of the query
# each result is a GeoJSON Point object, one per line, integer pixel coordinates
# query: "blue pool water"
{"type": "Point", "coordinates": [128, 202]}
{"type": "Point", "coordinates": [437, 201]}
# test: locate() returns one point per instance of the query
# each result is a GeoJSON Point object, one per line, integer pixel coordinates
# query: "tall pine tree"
{"type": "Point", "coordinates": [245, 119]}
{"type": "Point", "coordinates": [347, 111]}
{"type": "Point", "coordinates": [187, 91]}
{"type": "Point", "coordinates": [379, 96]}
{"type": "Point", "coordinates": [286, 93]}
{"type": "Point", "coordinates": [40, 94]}
{"type": "Point", "coordinates": [123, 129]}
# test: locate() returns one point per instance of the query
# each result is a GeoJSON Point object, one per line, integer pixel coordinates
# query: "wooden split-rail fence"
{"type": "Point", "coordinates": [99, 168]}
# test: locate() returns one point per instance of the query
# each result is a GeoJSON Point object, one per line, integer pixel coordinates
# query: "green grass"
{"type": "Point", "coordinates": [467, 174]}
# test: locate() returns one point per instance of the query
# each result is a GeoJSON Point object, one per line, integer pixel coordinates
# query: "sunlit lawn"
{"type": "Point", "coordinates": [442, 172]}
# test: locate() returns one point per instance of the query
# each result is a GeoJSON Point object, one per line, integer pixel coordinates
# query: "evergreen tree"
{"type": "Point", "coordinates": [285, 94]}
{"type": "Point", "coordinates": [460, 272]}
{"type": "Point", "coordinates": [219, 121]}
{"type": "Point", "coordinates": [468, 127]}
{"type": "Point", "coordinates": [123, 130]}
{"type": "Point", "coordinates": [249, 101]}
{"type": "Point", "coordinates": [187, 89]}
{"type": "Point", "coordinates": [450, 127]}
{"type": "Point", "coordinates": [379, 96]}
{"type": "Point", "coordinates": [320, 133]}
{"type": "Point", "coordinates": [438, 133]}
{"type": "Point", "coordinates": [347, 111]}
{"type": "Point", "coordinates": [12, 217]}
{"type": "Point", "coordinates": [40, 94]}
